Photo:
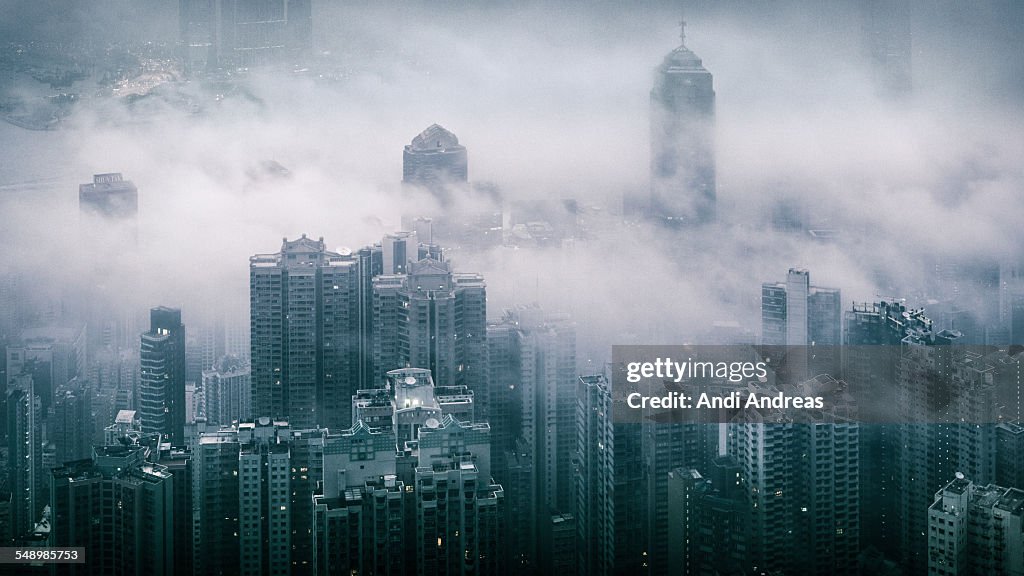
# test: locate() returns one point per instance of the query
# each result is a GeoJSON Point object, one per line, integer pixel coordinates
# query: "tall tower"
{"type": "Point", "coordinates": [435, 160]}
{"type": "Point", "coordinates": [120, 508]}
{"type": "Point", "coordinates": [683, 140]}
{"type": "Point", "coordinates": [305, 335]}
{"type": "Point", "coordinates": [435, 319]}
{"type": "Point", "coordinates": [162, 378]}
{"type": "Point", "coordinates": [887, 38]}
{"type": "Point", "coordinates": [807, 319]}
{"type": "Point", "coordinates": [24, 444]}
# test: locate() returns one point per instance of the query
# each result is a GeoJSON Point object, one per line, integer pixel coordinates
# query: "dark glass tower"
{"type": "Point", "coordinates": [682, 140]}
{"type": "Point", "coordinates": [162, 380]}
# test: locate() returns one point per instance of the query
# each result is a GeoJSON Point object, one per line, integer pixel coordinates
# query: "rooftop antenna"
{"type": "Point", "coordinates": [682, 24]}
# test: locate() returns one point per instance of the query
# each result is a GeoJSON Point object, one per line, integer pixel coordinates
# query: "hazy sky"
{"type": "Point", "coordinates": [551, 99]}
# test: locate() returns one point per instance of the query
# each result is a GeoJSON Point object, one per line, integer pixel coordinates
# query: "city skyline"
{"type": "Point", "coordinates": [426, 374]}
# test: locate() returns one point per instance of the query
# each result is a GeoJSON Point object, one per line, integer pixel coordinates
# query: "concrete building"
{"type": "Point", "coordinates": [805, 318]}
{"type": "Point", "coordinates": [120, 508]}
{"type": "Point", "coordinates": [306, 340]}
{"type": "Point", "coordinates": [433, 318]}
{"type": "Point", "coordinates": [25, 479]}
{"type": "Point", "coordinates": [975, 529]}
{"type": "Point", "coordinates": [227, 392]}
{"type": "Point", "coordinates": [415, 492]}
{"type": "Point", "coordinates": [435, 161]}
{"type": "Point", "coordinates": [253, 488]}
{"type": "Point", "coordinates": [802, 474]}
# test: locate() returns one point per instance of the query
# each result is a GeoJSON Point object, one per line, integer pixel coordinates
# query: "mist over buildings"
{"type": "Point", "coordinates": [552, 101]}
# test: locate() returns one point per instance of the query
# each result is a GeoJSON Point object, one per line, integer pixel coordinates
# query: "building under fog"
{"type": "Point", "coordinates": [238, 33]}
{"type": "Point", "coordinates": [436, 161]}
{"type": "Point", "coordinates": [432, 318]}
{"type": "Point", "coordinates": [805, 318]}
{"type": "Point", "coordinates": [109, 196]}
{"type": "Point", "coordinates": [683, 140]}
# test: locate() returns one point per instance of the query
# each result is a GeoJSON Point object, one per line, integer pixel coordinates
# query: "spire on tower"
{"type": "Point", "coordinates": [682, 26]}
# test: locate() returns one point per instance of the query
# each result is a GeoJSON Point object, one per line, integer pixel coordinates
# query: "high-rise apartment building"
{"type": "Point", "coordinates": [435, 319]}
{"type": "Point", "coordinates": [161, 399]}
{"type": "Point", "coordinates": [595, 481]}
{"type": "Point", "coordinates": [306, 340]}
{"type": "Point", "coordinates": [709, 530]}
{"type": "Point", "coordinates": [974, 529]}
{"type": "Point", "coordinates": [120, 508]}
{"type": "Point", "coordinates": [873, 339]}
{"type": "Point", "coordinates": [25, 479]}
{"type": "Point", "coordinates": [946, 400]}
{"type": "Point", "coordinates": [805, 318]}
{"type": "Point", "coordinates": [227, 392]}
{"type": "Point", "coordinates": [683, 140]}
{"type": "Point", "coordinates": [413, 490]}
{"type": "Point", "coordinates": [253, 490]}
{"type": "Point", "coordinates": [802, 480]}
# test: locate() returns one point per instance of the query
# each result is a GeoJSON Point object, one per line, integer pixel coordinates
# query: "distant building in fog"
{"type": "Point", "coordinates": [243, 33]}
{"type": "Point", "coordinates": [794, 313]}
{"type": "Point", "coordinates": [888, 43]}
{"type": "Point", "coordinates": [683, 140]}
{"type": "Point", "coordinates": [227, 392]}
{"type": "Point", "coordinates": [435, 160]}
{"type": "Point", "coordinates": [109, 196]}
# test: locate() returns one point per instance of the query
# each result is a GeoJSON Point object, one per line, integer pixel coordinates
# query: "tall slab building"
{"type": "Point", "coordinates": [305, 333]}
{"type": "Point", "coordinates": [162, 377]}
{"type": "Point", "coordinates": [683, 140]}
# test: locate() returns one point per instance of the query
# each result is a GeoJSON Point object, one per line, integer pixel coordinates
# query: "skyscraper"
{"type": "Point", "coordinates": [162, 378]}
{"type": "Point", "coordinates": [413, 490]}
{"type": "Point", "coordinates": [253, 490]}
{"type": "Point", "coordinates": [805, 318]}
{"type": "Point", "coordinates": [221, 33]}
{"type": "Point", "coordinates": [435, 161]}
{"type": "Point", "coordinates": [227, 391]}
{"type": "Point", "coordinates": [595, 481]}
{"type": "Point", "coordinates": [306, 340]}
{"type": "Point", "coordinates": [24, 456]}
{"type": "Point", "coordinates": [436, 319]}
{"type": "Point", "coordinates": [532, 392]}
{"type": "Point", "coordinates": [112, 197]}
{"type": "Point", "coordinates": [803, 483]}
{"type": "Point", "coordinates": [683, 140]}
{"type": "Point", "coordinates": [120, 508]}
